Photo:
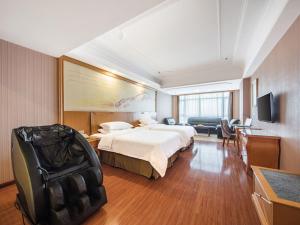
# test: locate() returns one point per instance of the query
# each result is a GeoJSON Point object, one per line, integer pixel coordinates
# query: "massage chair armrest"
{"type": "Point", "coordinates": [91, 154]}
{"type": "Point", "coordinates": [21, 173]}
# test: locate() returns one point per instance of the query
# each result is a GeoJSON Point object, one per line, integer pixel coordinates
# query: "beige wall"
{"type": "Point", "coordinates": [175, 108]}
{"type": "Point", "coordinates": [28, 95]}
{"type": "Point", "coordinates": [245, 99]}
{"type": "Point", "coordinates": [236, 104]}
{"type": "Point", "coordinates": [163, 106]}
{"type": "Point", "coordinates": [280, 74]}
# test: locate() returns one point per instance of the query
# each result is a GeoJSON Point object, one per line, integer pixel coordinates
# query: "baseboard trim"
{"type": "Point", "coordinates": [7, 183]}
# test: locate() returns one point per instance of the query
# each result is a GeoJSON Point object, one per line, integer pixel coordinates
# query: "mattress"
{"type": "Point", "coordinates": [186, 132]}
{"type": "Point", "coordinates": [152, 146]}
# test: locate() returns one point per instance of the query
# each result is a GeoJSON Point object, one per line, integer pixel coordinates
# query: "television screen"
{"type": "Point", "coordinates": [265, 108]}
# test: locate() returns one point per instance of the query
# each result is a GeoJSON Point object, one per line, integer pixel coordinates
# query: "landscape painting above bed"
{"type": "Point", "coordinates": [89, 90]}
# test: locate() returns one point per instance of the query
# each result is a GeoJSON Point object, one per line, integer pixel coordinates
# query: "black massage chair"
{"type": "Point", "coordinates": [58, 175]}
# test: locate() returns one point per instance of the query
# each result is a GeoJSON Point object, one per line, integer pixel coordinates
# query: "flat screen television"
{"type": "Point", "coordinates": [265, 108]}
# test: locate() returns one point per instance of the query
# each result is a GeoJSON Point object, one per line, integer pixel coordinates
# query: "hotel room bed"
{"type": "Point", "coordinates": [186, 132]}
{"type": "Point", "coordinates": [142, 151]}
{"type": "Point", "coordinates": [134, 165]}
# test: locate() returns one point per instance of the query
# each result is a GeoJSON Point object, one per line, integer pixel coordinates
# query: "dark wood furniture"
{"type": "Point", "coordinates": [208, 128]}
{"type": "Point", "coordinates": [258, 148]}
{"type": "Point", "coordinates": [276, 196]}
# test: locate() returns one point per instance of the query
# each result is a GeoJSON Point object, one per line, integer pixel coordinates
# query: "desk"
{"type": "Point", "coordinates": [258, 147]}
{"type": "Point", "coordinates": [276, 196]}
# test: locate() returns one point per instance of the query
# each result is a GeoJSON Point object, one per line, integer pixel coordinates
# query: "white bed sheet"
{"type": "Point", "coordinates": [149, 145]}
{"type": "Point", "coordinates": [185, 132]}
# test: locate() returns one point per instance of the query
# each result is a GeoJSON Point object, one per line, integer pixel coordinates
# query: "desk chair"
{"type": "Point", "coordinates": [227, 133]}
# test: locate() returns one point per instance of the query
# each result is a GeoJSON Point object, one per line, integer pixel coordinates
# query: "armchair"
{"type": "Point", "coordinates": [57, 173]}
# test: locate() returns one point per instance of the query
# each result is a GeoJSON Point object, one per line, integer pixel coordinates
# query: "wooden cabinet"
{"type": "Point", "coordinates": [94, 143]}
{"type": "Point", "coordinates": [258, 148]}
{"type": "Point", "coordinates": [269, 198]}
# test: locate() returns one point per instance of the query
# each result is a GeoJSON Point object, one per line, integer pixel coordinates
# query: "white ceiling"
{"type": "Point", "coordinates": [205, 87]}
{"type": "Point", "coordinates": [188, 42]}
{"type": "Point", "coordinates": [162, 43]}
{"type": "Point", "coordinates": [55, 27]}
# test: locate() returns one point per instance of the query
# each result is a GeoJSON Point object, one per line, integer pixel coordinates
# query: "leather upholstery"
{"type": "Point", "coordinates": [170, 121]}
{"type": "Point", "coordinates": [232, 123]}
{"type": "Point", "coordinates": [209, 121]}
{"type": "Point", "coordinates": [60, 179]}
{"type": "Point", "coordinates": [205, 121]}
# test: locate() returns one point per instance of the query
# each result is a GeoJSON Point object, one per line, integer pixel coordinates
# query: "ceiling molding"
{"type": "Point", "coordinates": [285, 18]}
{"type": "Point", "coordinates": [204, 87]}
{"type": "Point", "coordinates": [242, 19]}
{"type": "Point", "coordinates": [106, 58]}
{"type": "Point", "coordinates": [161, 47]}
{"type": "Point", "coordinates": [226, 72]}
{"type": "Point", "coordinates": [158, 7]}
{"type": "Point", "coordinates": [56, 27]}
{"type": "Point", "coordinates": [110, 63]}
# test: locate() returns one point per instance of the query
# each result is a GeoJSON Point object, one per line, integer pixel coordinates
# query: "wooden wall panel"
{"type": "Point", "coordinates": [80, 121]}
{"type": "Point", "coordinates": [28, 95]}
{"type": "Point", "coordinates": [103, 117]}
{"type": "Point", "coordinates": [280, 74]}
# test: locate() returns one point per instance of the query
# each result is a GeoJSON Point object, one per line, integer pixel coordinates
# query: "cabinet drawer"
{"type": "Point", "coordinates": [265, 204]}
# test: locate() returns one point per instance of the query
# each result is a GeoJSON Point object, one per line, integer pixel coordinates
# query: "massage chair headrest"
{"type": "Point", "coordinates": [42, 133]}
{"type": "Point", "coordinates": [55, 145]}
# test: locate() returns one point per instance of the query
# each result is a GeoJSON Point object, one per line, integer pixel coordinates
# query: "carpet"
{"type": "Point", "coordinates": [204, 137]}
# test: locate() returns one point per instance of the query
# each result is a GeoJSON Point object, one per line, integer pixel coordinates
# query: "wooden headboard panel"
{"type": "Point", "coordinates": [102, 117]}
{"type": "Point", "coordinates": [78, 120]}
{"type": "Point", "coordinates": [89, 121]}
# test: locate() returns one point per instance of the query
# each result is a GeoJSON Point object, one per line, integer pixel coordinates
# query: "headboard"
{"type": "Point", "coordinates": [89, 121]}
{"type": "Point", "coordinates": [102, 117]}
{"type": "Point", "coordinates": [78, 120]}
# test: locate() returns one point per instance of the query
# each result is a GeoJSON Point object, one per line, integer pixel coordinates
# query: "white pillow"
{"type": "Point", "coordinates": [102, 131]}
{"type": "Point", "coordinates": [145, 122]}
{"type": "Point", "coordinates": [117, 125]}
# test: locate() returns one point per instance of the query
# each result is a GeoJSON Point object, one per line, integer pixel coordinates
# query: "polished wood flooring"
{"type": "Point", "coordinates": [206, 186]}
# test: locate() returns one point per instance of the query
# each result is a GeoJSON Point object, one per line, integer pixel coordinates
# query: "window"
{"type": "Point", "coordinates": [206, 105]}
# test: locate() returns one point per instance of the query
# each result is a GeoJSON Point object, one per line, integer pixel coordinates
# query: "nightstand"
{"type": "Point", "coordinates": [94, 143]}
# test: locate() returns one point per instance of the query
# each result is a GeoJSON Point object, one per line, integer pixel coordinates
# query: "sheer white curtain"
{"type": "Point", "coordinates": [207, 105]}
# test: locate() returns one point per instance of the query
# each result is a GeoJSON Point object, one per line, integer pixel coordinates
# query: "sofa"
{"type": "Point", "coordinates": [205, 124]}
{"type": "Point", "coordinates": [169, 121]}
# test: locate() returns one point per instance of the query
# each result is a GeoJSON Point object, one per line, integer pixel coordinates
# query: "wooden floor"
{"type": "Point", "coordinates": [206, 186]}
